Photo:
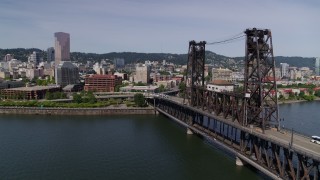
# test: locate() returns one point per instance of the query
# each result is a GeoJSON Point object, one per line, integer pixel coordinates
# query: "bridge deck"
{"type": "Point", "coordinates": [300, 143]}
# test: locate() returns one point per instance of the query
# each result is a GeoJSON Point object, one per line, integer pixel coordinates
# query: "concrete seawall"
{"type": "Point", "coordinates": [75, 111]}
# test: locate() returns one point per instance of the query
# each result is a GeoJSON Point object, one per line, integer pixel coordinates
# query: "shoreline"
{"type": "Point", "coordinates": [296, 101]}
{"type": "Point", "coordinates": [77, 111]}
{"type": "Point", "coordinates": [110, 110]}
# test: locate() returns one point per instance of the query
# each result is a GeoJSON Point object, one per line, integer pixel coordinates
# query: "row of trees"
{"type": "Point", "coordinates": [299, 85]}
{"type": "Point", "coordinates": [301, 96]}
{"type": "Point", "coordinates": [81, 100]}
{"type": "Point", "coordinates": [84, 97]}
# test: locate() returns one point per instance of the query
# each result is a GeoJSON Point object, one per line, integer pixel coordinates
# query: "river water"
{"type": "Point", "coordinates": [122, 147]}
{"type": "Point", "coordinates": [303, 117]}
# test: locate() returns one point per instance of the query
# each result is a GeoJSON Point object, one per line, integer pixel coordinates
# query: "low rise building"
{"type": "Point", "coordinates": [220, 86]}
{"type": "Point", "coordinates": [11, 84]}
{"type": "Point", "coordinates": [4, 74]}
{"type": "Point", "coordinates": [102, 83]}
{"type": "Point", "coordinates": [124, 76]}
{"type": "Point", "coordinates": [73, 88]}
{"type": "Point", "coordinates": [221, 74]}
{"type": "Point", "coordinates": [34, 92]}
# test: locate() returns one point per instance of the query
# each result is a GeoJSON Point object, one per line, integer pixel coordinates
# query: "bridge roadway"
{"type": "Point", "coordinates": [300, 143]}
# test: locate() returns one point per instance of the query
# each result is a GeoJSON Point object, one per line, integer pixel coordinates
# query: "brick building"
{"type": "Point", "coordinates": [34, 92]}
{"type": "Point", "coordinates": [102, 83]}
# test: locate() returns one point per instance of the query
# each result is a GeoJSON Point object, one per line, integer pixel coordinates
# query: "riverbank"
{"type": "Point", "coordinates": [295, 101]}
{"type": "Point", "coordinates": [120, 110]}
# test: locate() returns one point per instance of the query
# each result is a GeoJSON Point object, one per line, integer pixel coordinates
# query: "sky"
{"type": "Point", "coordinates": [160, 26]}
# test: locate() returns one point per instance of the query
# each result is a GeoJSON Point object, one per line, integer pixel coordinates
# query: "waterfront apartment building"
{"type": "Point", "coordinates": [66, 73]}
{"type": "Point", "coordinates": [102, 83]}
{"type": "Point", "coordinates": [62, 47]}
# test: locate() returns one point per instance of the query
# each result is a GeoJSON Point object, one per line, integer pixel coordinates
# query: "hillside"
{"type": "Point", "coordinates": [133, 57]}
{"type": "Point", "coordinates": [292, 61]}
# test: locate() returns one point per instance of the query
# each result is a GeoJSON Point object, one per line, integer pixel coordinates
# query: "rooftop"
{"type": "Point", "coordinates": [221, 82]}
{"type": "Point", "coordinates": [34, 88]}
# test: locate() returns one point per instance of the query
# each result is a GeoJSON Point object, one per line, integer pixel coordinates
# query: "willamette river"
{"type": "Point", "coordinates": [123, 147]}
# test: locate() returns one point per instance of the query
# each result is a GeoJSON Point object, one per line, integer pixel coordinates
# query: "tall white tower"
{"type": "Point", "coordinates": [317, 66]}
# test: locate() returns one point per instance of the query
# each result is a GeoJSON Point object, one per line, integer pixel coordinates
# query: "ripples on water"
{"type": "Point", "coordinates": [109, 147]}
{"type": "Point", "coordinates": [303, 117]}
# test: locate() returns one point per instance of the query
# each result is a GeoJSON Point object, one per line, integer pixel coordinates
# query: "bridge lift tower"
{"type": "Point", "coordinates": [194, 78]}
{"type": "Point", "coordinates": [259, 105]}
{"type": "Point", "coordinates": [260, 90]}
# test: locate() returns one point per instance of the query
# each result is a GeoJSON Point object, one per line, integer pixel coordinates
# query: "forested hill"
{"type": "Point", "coordinates": [133, 57]}
{"type": "Point", "coordinates": [292, 61]}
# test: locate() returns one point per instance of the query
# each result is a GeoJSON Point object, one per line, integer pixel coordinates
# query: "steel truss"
{"type": "Point", "coordinates": [273, 156]}
{"type": "Point", "coordinates": [195, 73]}
{"type": "Point", "coordinates": [224, 116]}
{"type": "Point", "coordinates": [259, 85]}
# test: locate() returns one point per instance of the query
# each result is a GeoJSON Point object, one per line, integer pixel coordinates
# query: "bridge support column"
{"type": "Point", "coordinates": [154, 106]}
{"type": "Point", "coordinates": [239, 162]}
{"type": "Point", "coordinates": [189, 131]}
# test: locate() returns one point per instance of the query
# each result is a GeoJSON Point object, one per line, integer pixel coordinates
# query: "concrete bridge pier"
{"type": "Point", "coordinates": [239, 162]}
{"type": "Point", "coordinates": [189, 131]}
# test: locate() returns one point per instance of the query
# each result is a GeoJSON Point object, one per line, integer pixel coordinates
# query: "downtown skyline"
{"type": "Point", "coordinates": [155, 27]}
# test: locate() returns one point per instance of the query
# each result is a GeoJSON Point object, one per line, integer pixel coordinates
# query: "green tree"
{"type": "Point", "coordinates": [77, 98]}
{"type": "Point", "coordinates": [301, 94]}
{"type": "Point", "coordinates": [161, 88]}
{"type": "Point", "coordinates": [281, 97]}
{"type": "Point", "coordinates": [317, 93]}
{"type": "Point", "coordinates": [291, 95]}
{"type": "Point", "coordinates": [139, 100]}
{"type": "Point", "coordinates": [308, 98]}
{"type": "Point", "coordinates": [91, 98]}
{"type": "Point", "coordinates": [117, 88]}
{"type": "Point", "coordinates": [209, 77]}
{"type": "Point", "coordinates": [182, 88]}
{"type": "Point", "coordinates": [49, 96]}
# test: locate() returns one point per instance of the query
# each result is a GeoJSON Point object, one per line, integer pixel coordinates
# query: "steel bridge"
{"type": "Point", "coordinates": [244, 123]}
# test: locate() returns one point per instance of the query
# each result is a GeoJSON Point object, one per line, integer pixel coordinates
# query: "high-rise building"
{"type": "Point", "coordinates": [317, 66]}
{"type": "Point", "coordinates": [50, 55]}
{"type": "Point", "coordinates": [118, 63]}
{"type": "Point", "coordinates": [284, 68]}
{"type": "Point", "coordinates": [8, 57]}
{"type": "Point", "coordinates": [66, 73]}
{"type": "Point", "coordinates": [142, 73]}
{"type": "Point", "coordinates": [62, 47]}
{"type": "Point", "coordinates": [34, 58]}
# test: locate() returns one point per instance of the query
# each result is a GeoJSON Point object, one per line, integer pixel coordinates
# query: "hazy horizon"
{"type": "Point", "coordinates": [149, 26]}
